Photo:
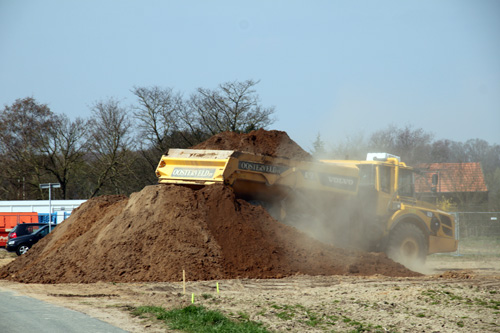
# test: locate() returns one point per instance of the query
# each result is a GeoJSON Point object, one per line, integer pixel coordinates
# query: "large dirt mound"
{"type": "Point", "coordinates": [270, 143]}
{"type": "Point", "coordinates": [210, 234]}
{"type": "Point", "coordinates": [164, 229]}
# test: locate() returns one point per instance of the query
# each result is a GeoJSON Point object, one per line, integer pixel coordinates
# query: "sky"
{"type": "Point", "coordinates": [337, 68]}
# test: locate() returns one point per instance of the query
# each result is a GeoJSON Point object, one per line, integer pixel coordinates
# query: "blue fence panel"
{"type": "Point", "coordinates": [44, 218]}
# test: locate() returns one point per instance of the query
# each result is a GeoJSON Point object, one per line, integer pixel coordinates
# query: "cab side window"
{"type": "Point", "coordinates": [366, 175]}
{"type": "Point", "coordinates": [385, 178]}
{"type": "Point", "coordinates": [406, 187]}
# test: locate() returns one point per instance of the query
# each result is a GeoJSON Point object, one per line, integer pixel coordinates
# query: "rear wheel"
{"type": "Point", "coordinates": [407, 245]}
{"type": "Point", "coordinates": [22, 249]}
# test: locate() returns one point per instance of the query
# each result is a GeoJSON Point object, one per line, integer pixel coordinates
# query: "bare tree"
{"type": "Point", "coordinates": [353, 147]}
{"type": "Point", "coordinates": [24, 126]}
{"type": "Point", "coordinates": [413, 145]}
{"type": "Point", "coordinates": [157, 114]}
{"type": "Point", "coordinates": [63, 148]}
{"type": "Point", "coordinates": [443, 151]}
{"type": "Point", "coordinates": [233, 106]}
{"type": "Point", "coordinates": [110, 130]}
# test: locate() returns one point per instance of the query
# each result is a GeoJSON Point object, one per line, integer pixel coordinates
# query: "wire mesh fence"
{"type": "Point", "coordinates": [478, 232]}
{"type": "Point", "coordinates": [477, 224]}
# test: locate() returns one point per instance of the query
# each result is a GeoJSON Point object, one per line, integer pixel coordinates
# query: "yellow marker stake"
{"type": "Point", "coordinates": [217, 287]}
{"type": "Point", "coordinates": [192, 298]}
{"type": "Point", "coordinates": [184, 282]}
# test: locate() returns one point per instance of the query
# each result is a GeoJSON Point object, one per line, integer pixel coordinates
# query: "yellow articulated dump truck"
{"type": "Point", "coordinates": [369, 205]}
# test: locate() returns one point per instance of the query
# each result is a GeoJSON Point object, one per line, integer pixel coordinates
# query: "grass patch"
{"type": "Point", "coordinates": [198, 319]}
{"type": "Point", "coordinates": [287, 312]}
{"type": "Point", "coordinates": [313, 319]}
{"type": "Point", "coordinates": [436, 295]}
{"type": "Point", "coordinates": [207, 296]}
{"type": "Point", "coordinates": [363, 327]}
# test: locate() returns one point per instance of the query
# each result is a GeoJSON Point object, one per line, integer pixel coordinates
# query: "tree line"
{"type": "Point", "coordinates": [416, 146]}
{"type": "Point", "coordinates": [116, 149]}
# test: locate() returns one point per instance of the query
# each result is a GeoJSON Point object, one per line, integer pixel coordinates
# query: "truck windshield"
{"type": "Point", "coordinates": [405, 186]}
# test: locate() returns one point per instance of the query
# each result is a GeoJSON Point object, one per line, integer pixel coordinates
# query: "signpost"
{"type": "Point", "coordinates": [50, 186]}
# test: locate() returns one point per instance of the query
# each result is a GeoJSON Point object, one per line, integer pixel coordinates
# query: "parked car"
{"type": "Point", "coordinates": [21, 244]}
{"type": "Point", "coordinates": [25, 229]}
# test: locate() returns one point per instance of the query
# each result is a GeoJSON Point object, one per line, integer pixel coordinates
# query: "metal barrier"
{"type": "Point", "coordinates": [477, 224]}
{"type": "Point", "coordinates": [44, 218]}
{"type": "Point", "coordinates": [470, 225]}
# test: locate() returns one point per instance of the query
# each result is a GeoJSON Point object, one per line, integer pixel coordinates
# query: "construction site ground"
{"type": "Point", "coordinates": [459, 294]}
{"type": "Point", "coordinates": [115, 253]}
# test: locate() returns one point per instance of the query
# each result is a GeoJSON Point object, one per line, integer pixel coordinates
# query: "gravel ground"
{"type": "Point", "coordinates": [458, 294]}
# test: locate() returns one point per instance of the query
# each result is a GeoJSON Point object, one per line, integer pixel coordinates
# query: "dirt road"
{"type": "Point", "coordinates": [460, 294]}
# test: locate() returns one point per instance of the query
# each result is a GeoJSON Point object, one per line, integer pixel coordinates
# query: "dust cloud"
{"type": "Point", "coordinates": [209, 232]}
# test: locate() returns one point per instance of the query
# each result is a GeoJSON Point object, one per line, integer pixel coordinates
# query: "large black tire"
{"type": "Point", "coordinates": [407, 245]}
{"type": "Point", "coordinates": [22, 249]}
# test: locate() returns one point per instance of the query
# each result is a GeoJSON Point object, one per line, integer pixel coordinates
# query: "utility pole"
{"type": "Point", "coordinates": [50, 186]}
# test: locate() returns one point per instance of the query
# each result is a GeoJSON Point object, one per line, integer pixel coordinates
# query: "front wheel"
{"type": "Point", "coordinates": [22, 249]}
{"type": "Point", "coordinates": [407, 245]}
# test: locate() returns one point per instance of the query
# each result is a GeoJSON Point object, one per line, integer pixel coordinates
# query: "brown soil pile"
{"type": "Point", "coordinates": [164, 229]}
{"type": "Point", "coordinates": [209, 233]}
{"type": "Point", "coordinates": [270, 143]}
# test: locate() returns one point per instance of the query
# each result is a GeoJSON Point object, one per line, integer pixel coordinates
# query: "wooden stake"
{"type": "Point", "coordinates": [184, 281]}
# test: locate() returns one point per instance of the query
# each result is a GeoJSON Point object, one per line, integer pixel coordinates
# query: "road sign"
{"type": "Point", "coordinates": [50, 185]}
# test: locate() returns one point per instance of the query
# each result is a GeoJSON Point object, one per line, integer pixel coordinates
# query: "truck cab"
{"type": "Point", "coordinates": [391, 217]}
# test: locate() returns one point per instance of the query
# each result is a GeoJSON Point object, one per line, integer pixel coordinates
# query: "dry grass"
{"type": "Point", "coordinates": [6, 255]}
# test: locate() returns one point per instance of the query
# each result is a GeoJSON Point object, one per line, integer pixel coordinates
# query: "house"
{"type": "Point", "coordinates": [463, 183]}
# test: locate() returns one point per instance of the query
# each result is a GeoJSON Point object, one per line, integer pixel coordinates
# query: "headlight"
{"type": "Point", "coordinates": [435, 224]}
{"type": "Point", "coordinates": [396, 205]}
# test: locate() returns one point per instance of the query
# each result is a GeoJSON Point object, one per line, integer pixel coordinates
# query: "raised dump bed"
{"type": "Point", "coordinates": [254, 176]}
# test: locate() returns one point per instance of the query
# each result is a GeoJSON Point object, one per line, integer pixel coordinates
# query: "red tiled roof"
{"type": "Point", "coordinates": [452, 177]}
